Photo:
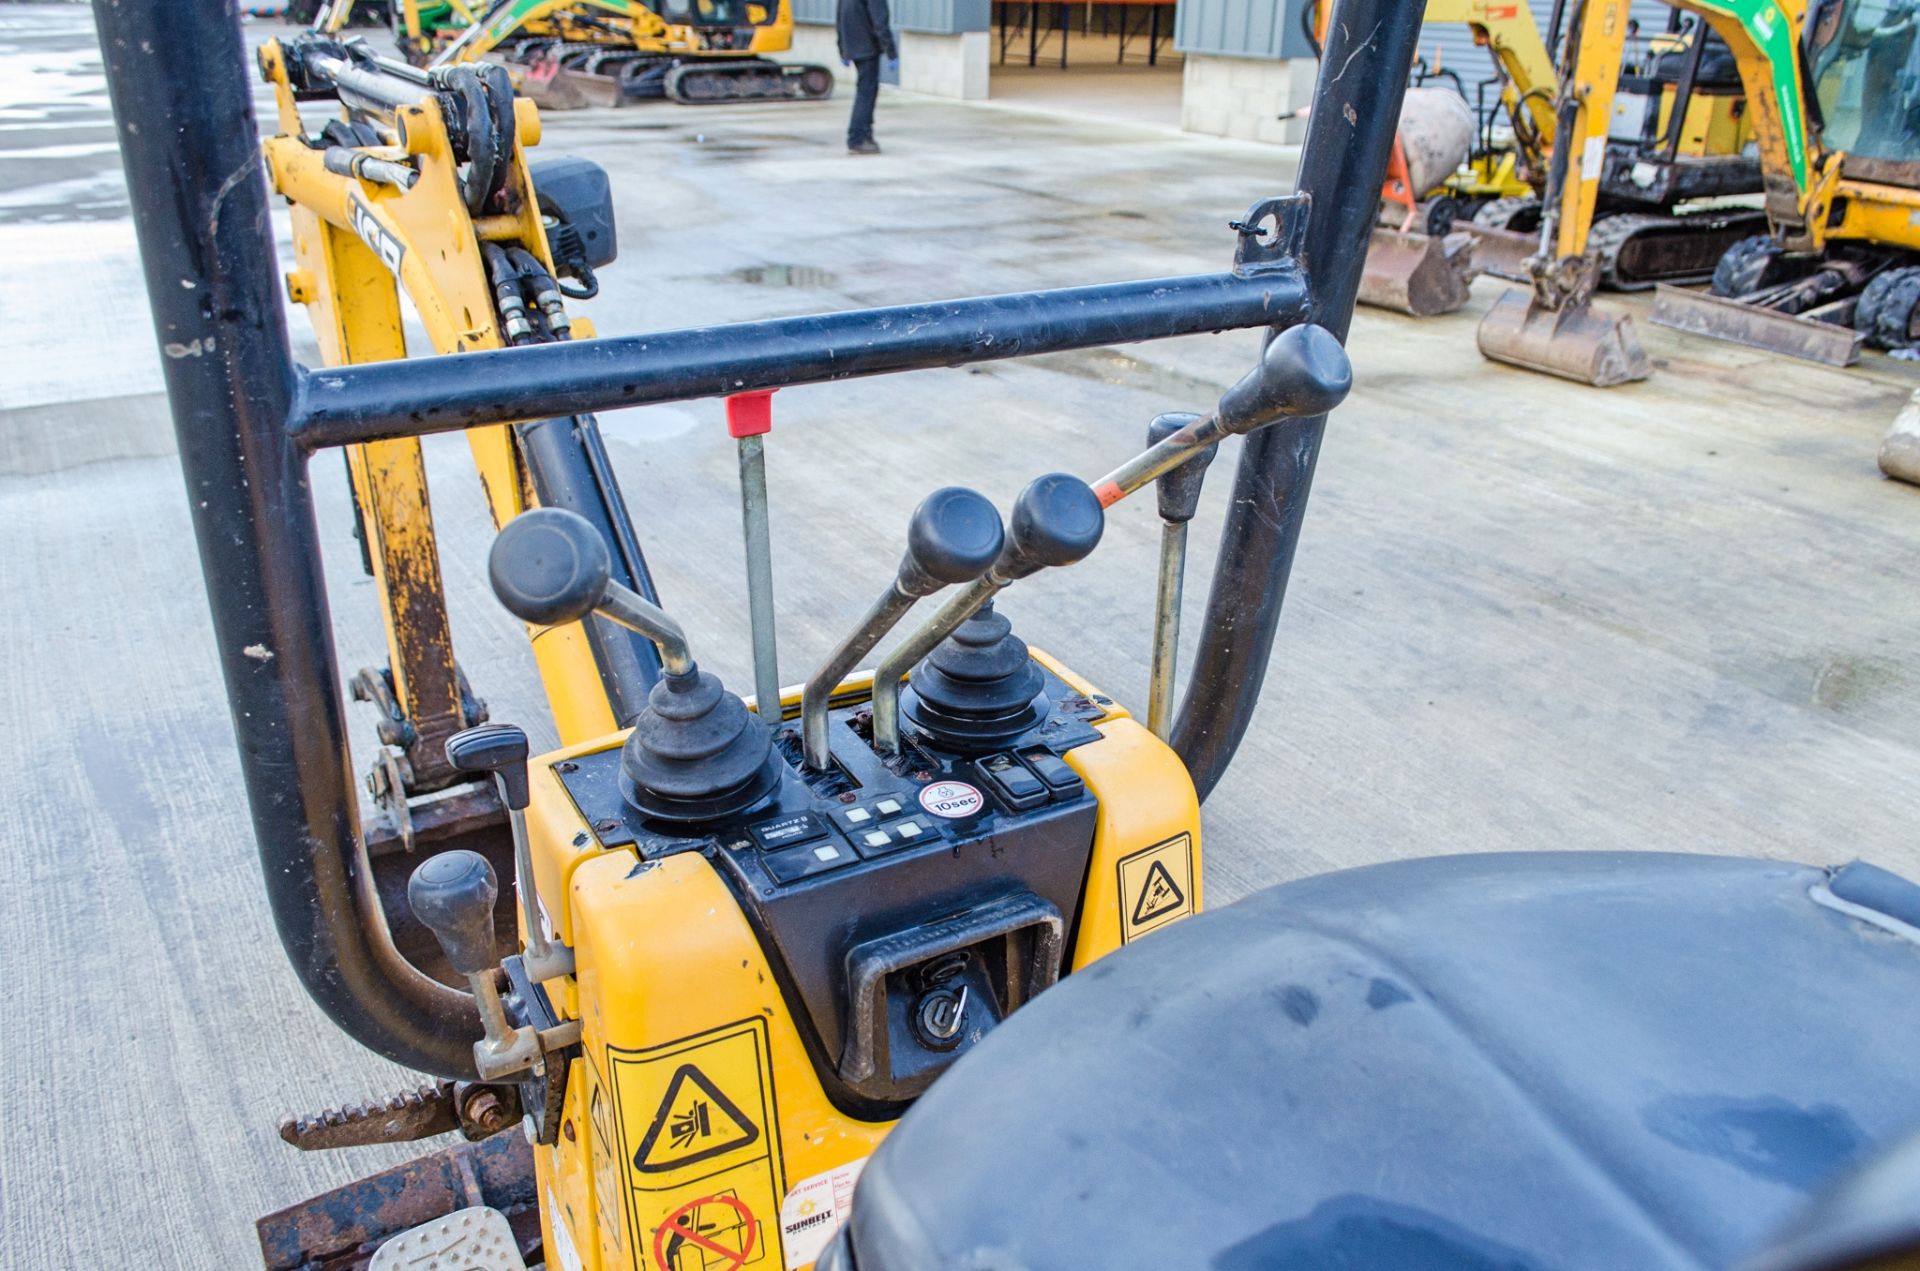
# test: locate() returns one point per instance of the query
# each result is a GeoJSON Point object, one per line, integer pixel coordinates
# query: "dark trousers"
{"type": "Point", "coordinates": [860, 127]}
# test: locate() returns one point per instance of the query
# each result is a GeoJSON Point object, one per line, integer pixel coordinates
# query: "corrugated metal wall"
{"type": "Point", "coordinates": [934, 17]}
{"type": "Point", "coordinates": [1241, 28]}
{"type": "Point", "coordinates": [1265, 29]}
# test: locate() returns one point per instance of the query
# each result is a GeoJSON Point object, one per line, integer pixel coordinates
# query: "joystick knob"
{"type": "Point", "coordinates": [955, 534]}
{"type": "Point", "coordinates": [1179, 489]}
{"type": "Point", "coordinates": [954, 537]}
{"type": "Point", "coordinates": [549, 566]}
{"type": "Point", "coordinates": [696, 752]}
{"type": "Point", "coordinates": [1057, 520]}
{"type": "Point", "coordinates": [452, 895]}
{"type": "Point", "coordinates": [1303, 372]}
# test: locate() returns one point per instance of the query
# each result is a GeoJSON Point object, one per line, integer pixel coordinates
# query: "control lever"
{"type": "Point", "coordinates": [1057, 520]}
{"type": "Point", "coordinates": [954, 537]}
{"type": "Point", "coordinates": [1302, 372]}
{"type": "Point", "coordinates": [501, 749]}
{"type": "Point", "coordinates": [452, 895]}
{"type": "Point", "coordinates": [1179, 500]}
{"type": "Point", "coordinates": [550, 566]}
{"type": "Point", "coordinates": [696, 753]}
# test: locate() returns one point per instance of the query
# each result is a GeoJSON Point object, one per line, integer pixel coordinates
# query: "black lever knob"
{"type": "Point", "coordinates": [1303, 372]}
{"type": "Point", "coordinates": [497, 748]}
{"type": "Point", "coordinates": [954, 537]}
{"type": "Point", "coordinates": [452, 895]}
{"type": "Point", "coordinates": [1179, 489]}
{"type": "Point", "coordinates": [549, 566]}
{"type": "Point", "coordinates": [1057, 520]}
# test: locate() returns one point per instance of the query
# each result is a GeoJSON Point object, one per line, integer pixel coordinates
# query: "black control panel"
{"type": "Point", "coordinates": [908, 903]}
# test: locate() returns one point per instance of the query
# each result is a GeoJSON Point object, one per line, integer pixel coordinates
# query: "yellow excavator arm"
{"type": "Point", "coordinates": [1583, 111]}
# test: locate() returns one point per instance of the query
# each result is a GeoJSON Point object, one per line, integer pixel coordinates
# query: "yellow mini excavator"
{"type": "Point", "coordinates": [611, 52]}
{"type": "Point", "coordinates": [1660, 142]}
{"type": "Point", "coordinates": [908, 968]}
{"type": "Point", "coordinates": [1840, 85]}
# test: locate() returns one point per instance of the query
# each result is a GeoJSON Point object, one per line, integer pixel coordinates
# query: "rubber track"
{"type": "Point", "coordinates": [1500, 212]}
{"type": "Point", "coordinates": [1611, 234]}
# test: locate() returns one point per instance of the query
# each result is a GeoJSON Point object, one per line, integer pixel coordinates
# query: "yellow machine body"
{"type": "Point", "coordinates": [695, 1105]}
{"type": "Point", "coordinates": [1715, 122]}
{"type": "Point", "coordinates": [694, 1129]}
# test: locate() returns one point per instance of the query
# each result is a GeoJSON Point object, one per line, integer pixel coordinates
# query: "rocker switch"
{"type": "Point", "coordinates": [1016, 787]}
{"type": "Point", "coordinates": [1062, 781]}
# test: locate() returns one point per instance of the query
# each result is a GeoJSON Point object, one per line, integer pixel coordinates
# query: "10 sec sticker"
{"type": "Point", "coordinates": [951, 799]}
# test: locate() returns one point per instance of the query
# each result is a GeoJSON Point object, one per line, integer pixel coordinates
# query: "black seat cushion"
{"type": "Point", "coordinates": [1518, 1061]}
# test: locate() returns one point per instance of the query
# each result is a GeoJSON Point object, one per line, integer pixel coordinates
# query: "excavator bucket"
{"type": "Point", "coordinates": [551, 86]}
{"type": "Point", "coordinates": [1575, 342]}
{"type": "Point", "coordinates": [1420, 274]}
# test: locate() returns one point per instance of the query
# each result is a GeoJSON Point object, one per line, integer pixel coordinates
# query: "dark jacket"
{"type": "Point", "coordinates": [866, 30]}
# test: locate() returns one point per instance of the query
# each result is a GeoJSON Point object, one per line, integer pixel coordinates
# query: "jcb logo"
{"type": "Point", "coordinates": [388, 248]}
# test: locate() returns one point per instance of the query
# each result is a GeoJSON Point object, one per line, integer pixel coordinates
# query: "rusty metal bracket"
{"type": "Point", "coordinates": [340, 1230]}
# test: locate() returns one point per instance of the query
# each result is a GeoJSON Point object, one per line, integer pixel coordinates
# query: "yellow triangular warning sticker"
{"type": "Point", "coordinates": [1160, 896]}
{"type": "Point", "coordinates": [695, 1121]}
{"type": "Point", "coordinates": [1156, 886]}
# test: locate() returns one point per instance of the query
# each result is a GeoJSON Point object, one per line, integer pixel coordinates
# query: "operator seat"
{"type": "Point", "coordinates": [1543, 1060]}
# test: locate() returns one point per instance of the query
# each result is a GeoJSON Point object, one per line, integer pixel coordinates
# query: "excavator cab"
{"type": "Point", "coordinates": [1863, 58]}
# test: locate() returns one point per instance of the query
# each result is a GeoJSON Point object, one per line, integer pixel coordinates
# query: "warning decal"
{"type": "Point", "coordinates": [1156, 887]}
{"type": "Point", "coordinates": [714, 1233]}
{"type": "Point", "coordinates": [695, 1121]}
{"type": "Point", "coordinates": [700, 1150]}
{"type": "Point", "coordinates": [1160, 897]}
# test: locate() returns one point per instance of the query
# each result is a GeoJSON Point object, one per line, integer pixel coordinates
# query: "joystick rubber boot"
{"type": "Point", "coordinates": [978, 689]}
{"type": "Point", "coordinates": [697, 753]}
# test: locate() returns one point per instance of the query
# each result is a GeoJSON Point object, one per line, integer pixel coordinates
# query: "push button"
{"type": "Point", "coordinates": [1010, 780]}
{"type": "Point", "coordinates": [801, 827]}
{"type": "Point", "coordinates": [910, 830]}
{"type": "Point", "coordinates": [1061, 780]}
{"type": "Point", "coordinates": [888, 807]}
{"type": "Point", "coordinates": [794, 863]}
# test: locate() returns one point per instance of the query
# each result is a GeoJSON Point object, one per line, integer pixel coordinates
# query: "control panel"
{"type": "Point", "coordinates": [909, 902]}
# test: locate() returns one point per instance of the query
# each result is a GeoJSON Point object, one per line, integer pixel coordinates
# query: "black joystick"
{"type": "Point", "coordinates": [549, 566]}
{"type": "Point", "coordinates": [452, 895]}
{"type": "Point", "coordinates": [978, 690]}
{"type": "Point", "coordinates": [1179, 490]}
{"type": "Point", "coordinates": [696, 752]}
{"type": "Point", "coordinates": [1303, 372]}
{"type": "Point", "coordinates": [1057, 520]}
{"type": "Point", "coordinates": [955, 534]}
{"type": "Point", "coordinates": [954, 537]}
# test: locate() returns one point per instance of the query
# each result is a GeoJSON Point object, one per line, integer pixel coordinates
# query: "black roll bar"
{"type": "Point", "coordinates": [247, 417]}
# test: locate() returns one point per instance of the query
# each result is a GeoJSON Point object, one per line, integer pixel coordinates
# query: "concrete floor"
{"type": "Point", "coordinates": [1678, 615]}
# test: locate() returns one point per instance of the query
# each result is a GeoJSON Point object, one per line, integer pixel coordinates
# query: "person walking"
{"type": "Point", "coordinates": [866, 35]}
